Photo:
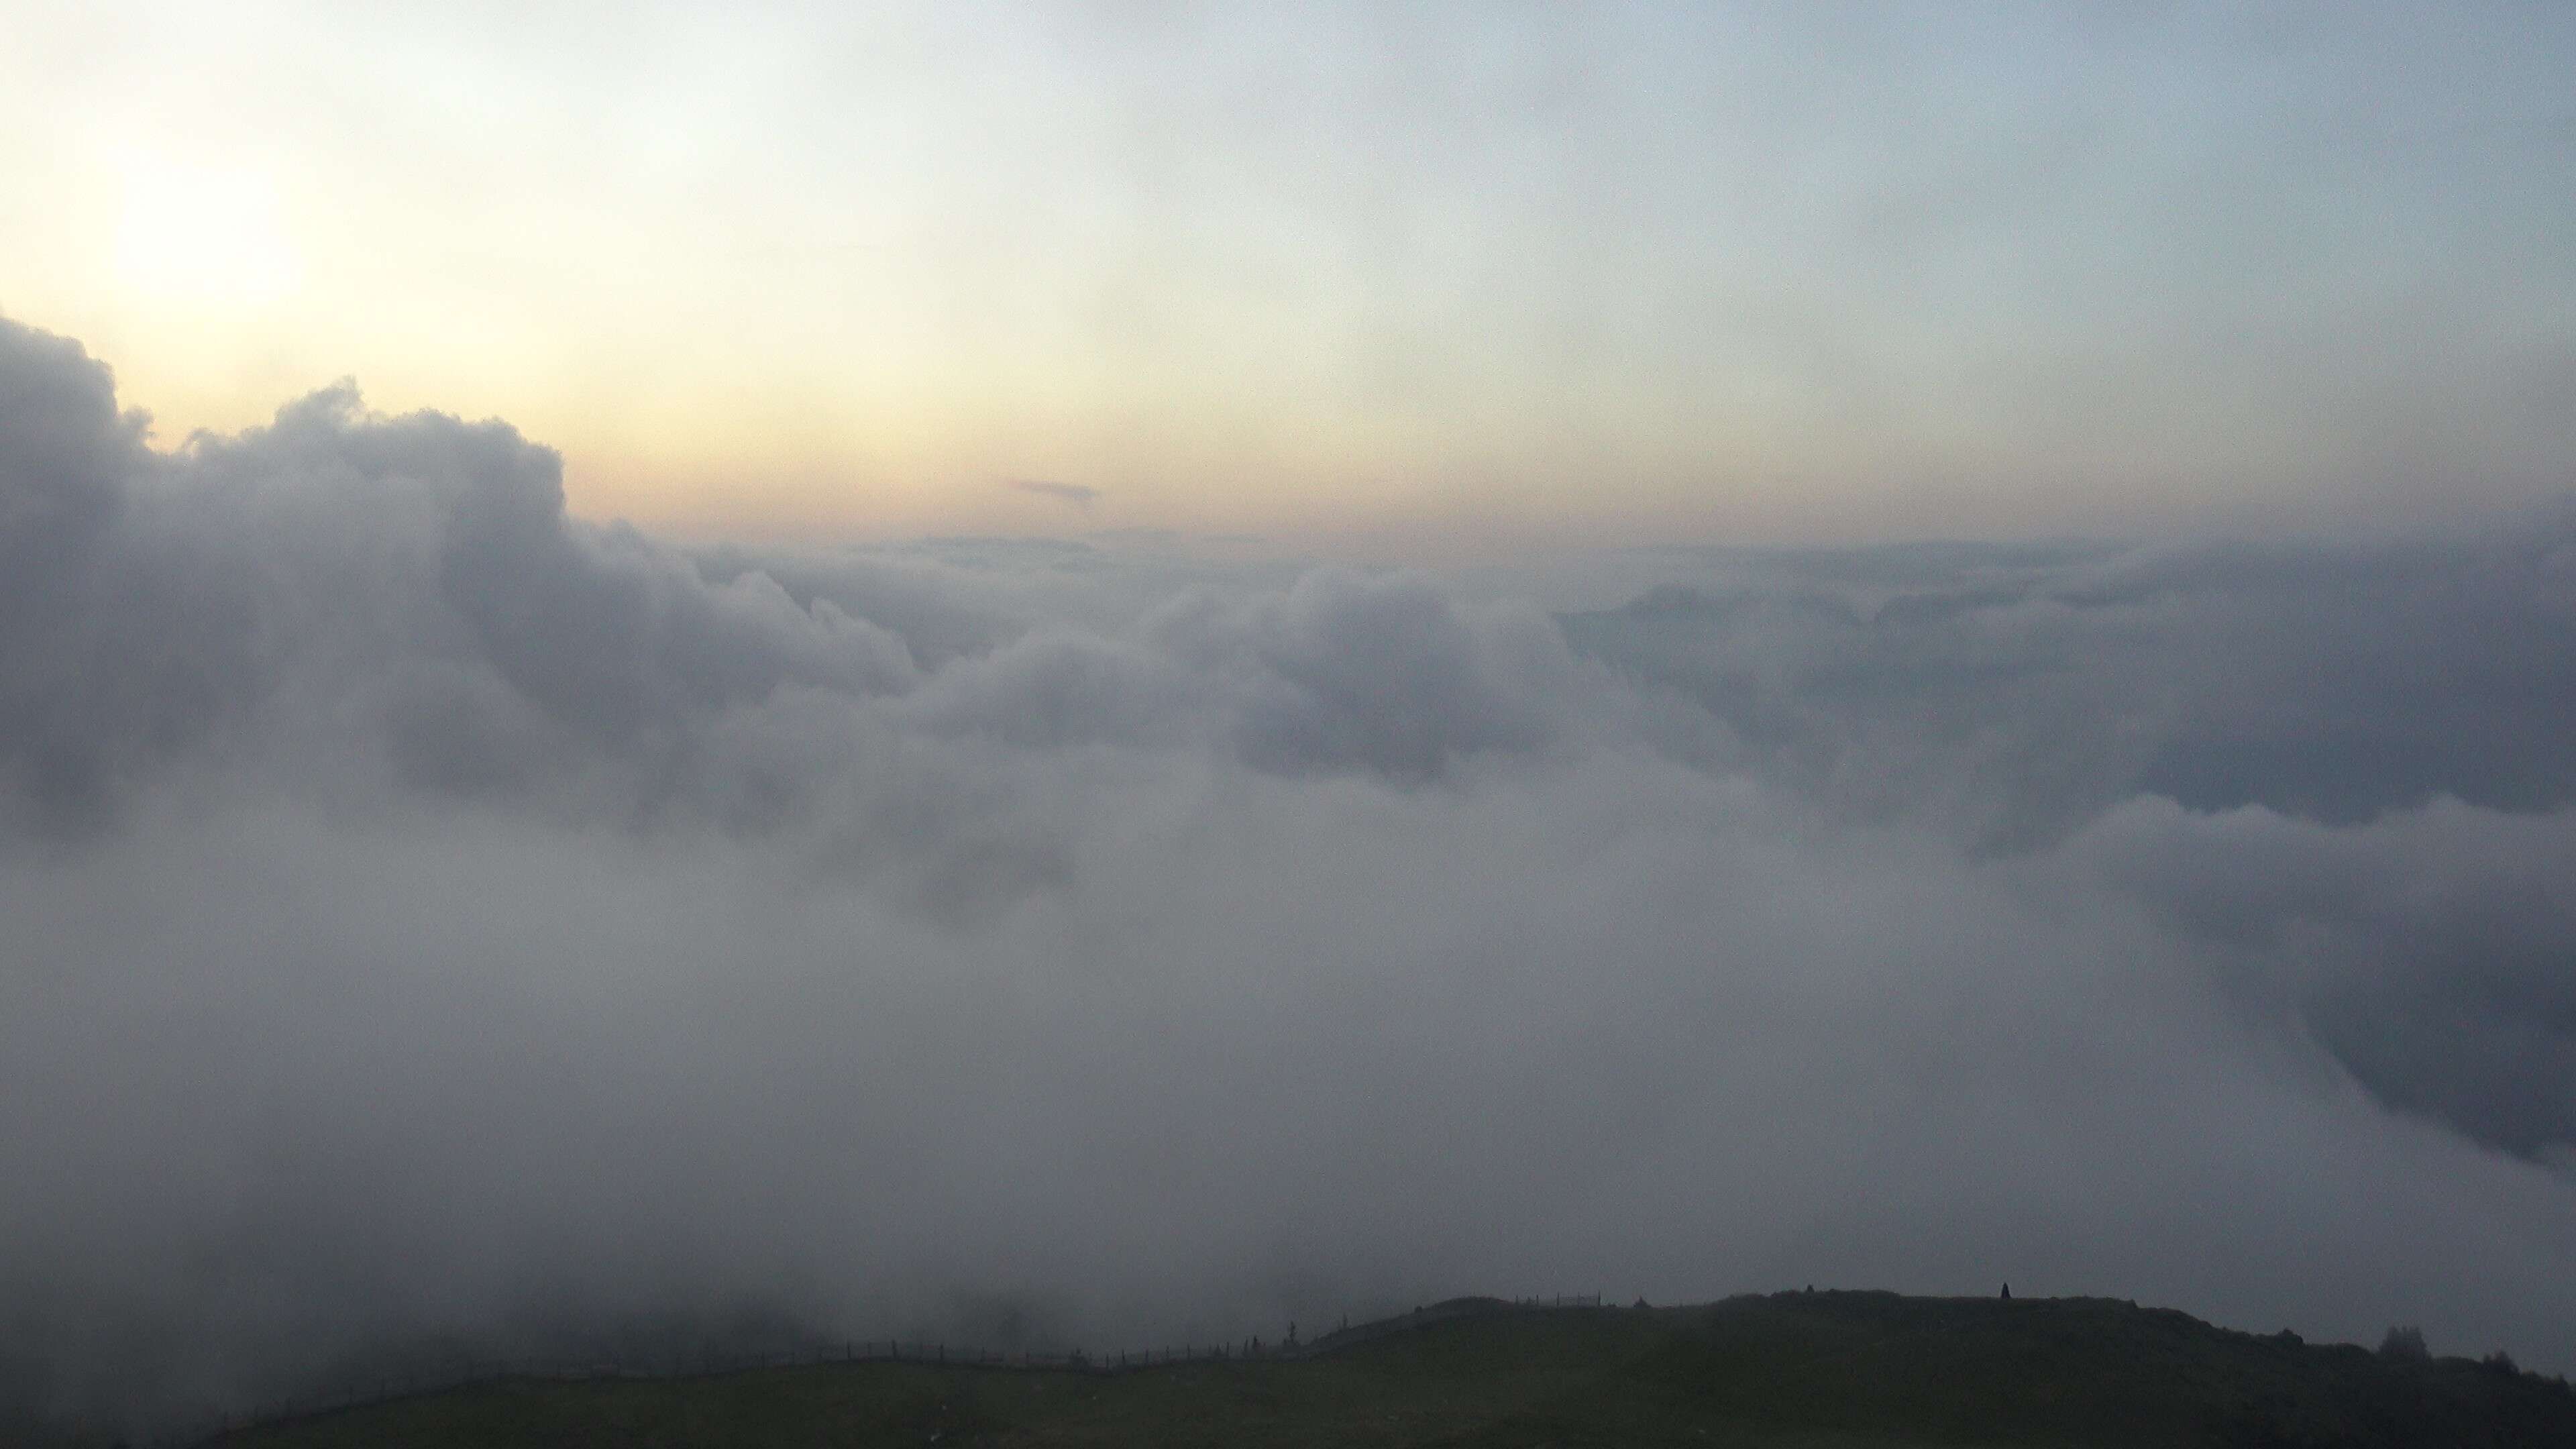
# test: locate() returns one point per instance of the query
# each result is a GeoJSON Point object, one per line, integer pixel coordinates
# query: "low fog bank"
{"type": "Point", "coordinates": [439, 925]}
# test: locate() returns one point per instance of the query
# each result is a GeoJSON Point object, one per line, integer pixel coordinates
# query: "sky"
{"type": "Point", "coordinates": [1423, 278]}
{"type": "Point", "coordinates": [1114, 676]}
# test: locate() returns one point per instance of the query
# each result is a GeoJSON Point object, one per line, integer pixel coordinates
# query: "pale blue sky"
{"type": "Point", "coordinates": [1473, 274]}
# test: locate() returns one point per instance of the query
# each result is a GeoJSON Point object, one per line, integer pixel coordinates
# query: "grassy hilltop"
{"type": "Point", "coordinates": [1815, 1370]}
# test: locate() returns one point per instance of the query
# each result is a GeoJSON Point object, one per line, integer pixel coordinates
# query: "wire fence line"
{"type": "Point", "coordinates": [477, 1372]}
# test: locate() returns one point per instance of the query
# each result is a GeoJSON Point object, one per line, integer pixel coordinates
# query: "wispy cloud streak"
{"type": "Point", "coordinates": [1079, 495]}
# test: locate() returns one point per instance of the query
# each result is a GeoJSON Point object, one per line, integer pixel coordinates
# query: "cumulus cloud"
{"type": "Point", "coordinates": [2432, 952]}
{"type": "Point", "coordinates": [2018, 691]}
{"type": "Point", "coordinates": [439, 924]}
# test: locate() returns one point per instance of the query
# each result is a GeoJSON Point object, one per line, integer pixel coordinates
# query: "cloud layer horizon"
{"type": "Point", "coordinates": [437, 923]}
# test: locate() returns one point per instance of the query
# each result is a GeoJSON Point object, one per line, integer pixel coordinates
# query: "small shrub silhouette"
{"type": "Point", "coordinates": [2405, 1343]}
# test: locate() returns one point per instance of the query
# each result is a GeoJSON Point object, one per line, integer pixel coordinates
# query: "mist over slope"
{"type": "Point", "coordinates": [433, 919]}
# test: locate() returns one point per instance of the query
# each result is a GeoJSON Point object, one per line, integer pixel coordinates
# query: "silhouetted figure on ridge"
{"type": "Point", "coordinates": [2007, 1292]}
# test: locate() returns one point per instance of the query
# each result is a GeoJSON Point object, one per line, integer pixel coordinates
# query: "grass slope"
{"type": "Point", "coordinates": [1816, 1370]}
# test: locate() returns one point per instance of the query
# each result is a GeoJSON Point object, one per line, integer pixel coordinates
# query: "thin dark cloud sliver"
{"type": "Point", "coordinates": [1077, 495]}
{"type": "Point", "coordinates": [438, 920]}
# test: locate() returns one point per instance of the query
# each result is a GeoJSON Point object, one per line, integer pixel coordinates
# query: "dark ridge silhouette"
{"type": "Point", "coordinates": [1852, 1369]}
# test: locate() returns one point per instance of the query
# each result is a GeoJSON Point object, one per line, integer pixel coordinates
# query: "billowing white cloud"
{"type": "Point", "coordinates": [436, 923]}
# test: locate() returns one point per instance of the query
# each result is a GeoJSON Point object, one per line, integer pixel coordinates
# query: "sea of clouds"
{"type": "Point", "coordinates": [432, 924]}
